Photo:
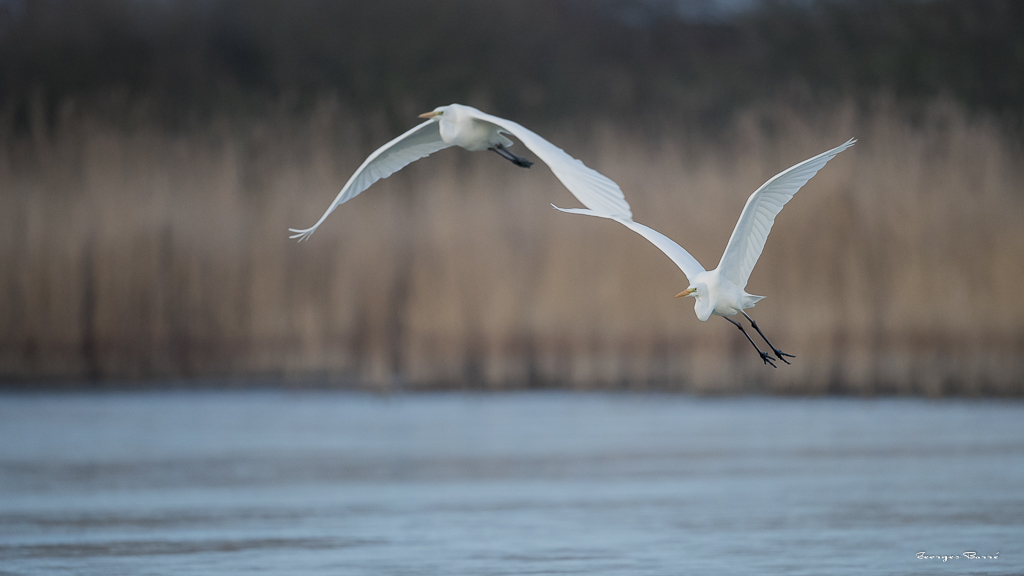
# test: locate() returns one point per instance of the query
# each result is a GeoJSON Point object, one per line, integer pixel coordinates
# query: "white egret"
{"type": "Point", "coordinates": [721, 291]}
{"type": "Point", "coordinates": [465, 126]}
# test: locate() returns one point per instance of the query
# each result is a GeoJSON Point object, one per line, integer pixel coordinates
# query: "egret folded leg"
{"type": "Point", "coordinates": [778, 353]}
{"type": "Point", "coordinates": [764, 355]}
{"type": "Point", "coordinates": [517, 160]}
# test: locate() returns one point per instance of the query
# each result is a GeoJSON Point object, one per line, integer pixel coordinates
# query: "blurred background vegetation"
{"type": "Point", "coordinates": [654, 59]}
{"type": "Point", "coordinates": [154, 152]}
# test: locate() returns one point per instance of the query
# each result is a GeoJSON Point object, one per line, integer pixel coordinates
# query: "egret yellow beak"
{"type": "Point", "coordinates": [430, 114]}
{"type": "Point", "coordinates": [686, 292]}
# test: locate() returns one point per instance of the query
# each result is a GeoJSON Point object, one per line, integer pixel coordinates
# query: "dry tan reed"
{"type": "Point", "coordinates": [132, 252]}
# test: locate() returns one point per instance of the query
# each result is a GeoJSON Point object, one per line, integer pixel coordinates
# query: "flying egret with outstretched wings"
{"type": "Point", "coordinates": [469, 128]}
{"type": "Point", "coordinates": [722, 291]}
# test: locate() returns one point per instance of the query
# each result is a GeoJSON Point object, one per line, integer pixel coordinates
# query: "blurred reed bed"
{"type": "Point", "coordinates": [129, 251]}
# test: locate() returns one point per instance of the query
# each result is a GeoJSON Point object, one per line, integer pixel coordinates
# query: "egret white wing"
{"type": "Point", "coordinates": [419, 142]}
{"type": "Point", "coordinates": [595, 190]}
{"type": "Point", "coordinates": [751, 232]}
{"type": "Point", "coordinates": [687, 263]}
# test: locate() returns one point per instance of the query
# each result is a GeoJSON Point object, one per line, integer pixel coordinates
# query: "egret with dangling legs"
{"type": "Point", "coordinates": [722, 291]}
{"type": "Point", "coordinates": [469, 128]}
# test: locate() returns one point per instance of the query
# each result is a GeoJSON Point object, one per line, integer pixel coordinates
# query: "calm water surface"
{"type": "Point", "coordinates": [183, 483]}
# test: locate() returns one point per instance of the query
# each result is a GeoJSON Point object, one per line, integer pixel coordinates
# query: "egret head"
{"type": "Point", "coordinates": [702, 305]}
{"type": "Point", "coordinates": [693, 291]}
{"type": "Point", "coordinates": [439, 111]}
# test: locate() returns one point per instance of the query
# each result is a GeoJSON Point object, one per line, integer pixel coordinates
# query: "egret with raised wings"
{"type": "Point", "coordinates": [722, 291]}
{"type": "Point", "coordinates": [465, 126]}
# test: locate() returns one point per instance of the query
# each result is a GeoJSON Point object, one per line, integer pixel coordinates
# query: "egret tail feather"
{"type": "Point", "coordinates": [749, 300]}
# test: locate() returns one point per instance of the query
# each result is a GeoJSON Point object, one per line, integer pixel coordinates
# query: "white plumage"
{"type": "Point", "coordinates": [722, 291]}
{"type": "Point", "coordinates": [469, 128]}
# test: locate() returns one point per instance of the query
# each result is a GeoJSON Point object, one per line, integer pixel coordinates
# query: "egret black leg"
{"type": "Point", "coordinates": [764, 355]}
{"type": "Point", "coordinates": [778, 353]}
{"type": "Point", "coordinates": [517, 160]}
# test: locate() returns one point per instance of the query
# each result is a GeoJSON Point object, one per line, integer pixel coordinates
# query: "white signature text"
{"type": "Point", "coordinates": [968, 555]}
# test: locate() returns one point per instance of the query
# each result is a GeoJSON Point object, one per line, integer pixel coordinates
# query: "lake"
{"type": "Point", "coordinates": [328, 483]}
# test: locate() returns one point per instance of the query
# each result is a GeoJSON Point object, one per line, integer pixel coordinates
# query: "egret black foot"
{"type": "Point", "coordinates": [768, 359]}
{"type": "Point", "coordinates": [781, 355]}
{"type": "Point", "coordinates": [517, 160]}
